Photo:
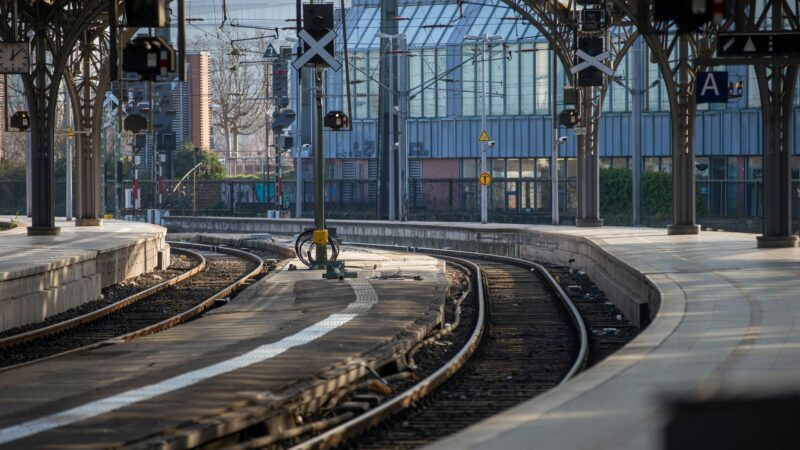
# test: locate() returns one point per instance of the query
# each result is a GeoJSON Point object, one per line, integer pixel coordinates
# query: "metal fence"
{"type": "Point", "coordinates": [510, 200]}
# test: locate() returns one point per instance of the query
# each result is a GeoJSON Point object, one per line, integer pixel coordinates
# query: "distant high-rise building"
{"type": "Point", "coordinates": [200, 99]}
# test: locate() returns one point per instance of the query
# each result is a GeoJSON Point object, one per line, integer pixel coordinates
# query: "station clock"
{"type": "Point", "coordinates": [15, 57]}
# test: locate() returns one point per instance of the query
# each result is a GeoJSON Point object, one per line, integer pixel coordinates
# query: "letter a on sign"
{"type": "Point", "coordinates": [712, 87]}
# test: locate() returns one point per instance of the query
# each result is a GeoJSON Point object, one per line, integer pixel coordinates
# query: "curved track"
{"type": "Point", "coordinates": [150, 311]}
{"type": "Point", "coordinates": [527, 337]}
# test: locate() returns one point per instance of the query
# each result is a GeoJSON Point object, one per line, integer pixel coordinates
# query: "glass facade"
{"type": "Point", "coordinates": [444, 72]}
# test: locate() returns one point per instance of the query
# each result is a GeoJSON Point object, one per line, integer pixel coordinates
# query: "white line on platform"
{"type": "Point", "coordinates": [366, 297]}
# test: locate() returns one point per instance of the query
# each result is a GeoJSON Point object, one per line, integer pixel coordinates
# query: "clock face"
{"type": "Point", "coordinates": [15, 57]}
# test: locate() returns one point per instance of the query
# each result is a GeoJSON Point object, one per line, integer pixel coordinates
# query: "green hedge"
{"type": "Point", "coordinates": [616, 191]}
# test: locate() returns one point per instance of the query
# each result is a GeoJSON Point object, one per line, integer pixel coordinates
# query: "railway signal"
{"type": "Point", "coordinates": [146, 13]}
{"type": "Point", "coordinates": [150, 57]}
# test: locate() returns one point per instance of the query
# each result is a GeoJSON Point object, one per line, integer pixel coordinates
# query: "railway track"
{"type": "Point", "coordinates": [220, 271]}
{"type": "Point", "coordinates": [523, 336]}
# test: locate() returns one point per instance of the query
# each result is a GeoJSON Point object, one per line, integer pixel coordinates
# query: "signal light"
{"type": "Point", "coordinates": [20, 120]}
{"type": "Point", "coordinates": [149, 57]}
{"type": "Point", "coordinates": [336, 120]}
{"type": "Point", "coordinates": [146, 13]}
{"type": "Point", "coordinates": [280, 83]}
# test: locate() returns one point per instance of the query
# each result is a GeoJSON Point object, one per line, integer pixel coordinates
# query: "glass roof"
{"type": "Point", "coordinates": [433, 24]}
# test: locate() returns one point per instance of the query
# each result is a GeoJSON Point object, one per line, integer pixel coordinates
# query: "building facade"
{"type": "Point", "coordinates": [445, 97]}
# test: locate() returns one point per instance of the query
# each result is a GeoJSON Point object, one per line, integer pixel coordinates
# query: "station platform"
{"type": "Point", "coordinates": [720, 315]}
{"type": "Point", "coordinates": [44, 275]}
{"type": "Point", "coordinates": [290, 336]}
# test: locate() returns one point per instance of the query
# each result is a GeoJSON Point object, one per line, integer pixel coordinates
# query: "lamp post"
{"type": "Point", "coordinates": [485, 39]}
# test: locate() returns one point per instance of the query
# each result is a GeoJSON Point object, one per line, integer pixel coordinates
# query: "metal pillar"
{"type": "Point", "coordinates": [588, 165]}
{"type": "Point", "coordinates": [68, 157]}
{"type": "Point", "coordinates": [683, 185]}
{"type": "Point", "coordinates": [305, 129]}
{"type": "Point", "coordinates": [42, 163]}
{"type": "Point", "coordinates": [319, 165]}
{"type": "Point", "coordinates": [88, 161]}
{"type": "Point", "coordinates": [484, 188]}
{"type": "Point", "coordinates": [637, 94]}
{"type": "Point", "coordinates": [776, 85]}
{"type": "Point", "coordinates": [554, 150]}
{"type": "Point", "coordinates": [389, 27]}
{"type": "Point", "coordinates": [402, 78]}
{"type": "Point", "coordinates": [392, 136]}
{"type": "Point", "coordinates": [28, 175]}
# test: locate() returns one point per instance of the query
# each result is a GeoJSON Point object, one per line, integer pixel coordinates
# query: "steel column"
{"type": "Point", "coordinates": [636, 129]}
{"type": "Point", "coordinates": [42, 164]}
{"type": "Point", "coordinates": [588, 164]}
{"type": "Point", "coordinates": [776, 86]}
{"type": "Point", "coordinates": [683, 185]}
{"type": "Point", "coordinates": [88, 161]}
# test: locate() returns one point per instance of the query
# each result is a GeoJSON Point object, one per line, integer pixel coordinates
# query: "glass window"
{"type": "Point", "coordinates": [754, 169]}
{"type": "Point", "coordinates": [526, 80]}
{"type": "Point", "coordinates": [542, 78]}
{"type": "Point", "coordinates": [469, 75]}
{"type": "Point", "coordinates": [652, 100]}
{"type": "Point", "coordinates": [753, 97]}
{"type": "Point", "coordinates": [513, 169]}
{"type": "Point", "coordinates": [498, 168]}
{"type": "Point", "coordinates": [469, 168]}
{"type": "Point", "coordinates": [361, 86]}
{"type": "Point", "coordinates": [415, 64]}
{"type": "Point", "coordinates": [620, 163]}
{"type": "Point", "coordinates": [572, 168]}
{"type": "Point", "coordinates": [717, 168]}
{"type": "Point", "coordinates": [651, 165]}
{"type": "Point", "coordinates": [512, 79]}
{"type": "Point", "coordinates": [428, 75]}
{"type": "Point", "coordinates": [543, 168]}
{"type": "Point", "coordinates": [701, 168]}
{"type": "Point", "coordinates": [496, 80]}
{"type": "Point", "coordinates": [372, 93]}
{"type": "Point", "coordinates": [619, 94]}
{"type": "Point", "coordinates": [528, 165]}
{"type": "Point", "coordinates": [441, 90]}
{"type": "Point", "coordinates": [733, 168]}
{"type": "Point", "coordinates": [666, 164]}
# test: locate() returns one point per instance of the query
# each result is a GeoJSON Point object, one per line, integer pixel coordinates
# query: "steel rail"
{"type": "Point", "coordinates": [60, 327]}
{"type": "Point", "coordinates": [572, 310]}
{"type": "Point", "coordinates": [205, 304]}
{"type": "Point", "coordinates": [175, 320]}
{"type": "Point", "coordinates": [337, 435]}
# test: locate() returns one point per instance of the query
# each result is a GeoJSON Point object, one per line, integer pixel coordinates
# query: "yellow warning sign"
{"type": "Point", "coordinates": [485, 179]}
{"type": "Point", "coordinates": [484, 137]}
{"type": "Point", "coordinates": [70, 132]}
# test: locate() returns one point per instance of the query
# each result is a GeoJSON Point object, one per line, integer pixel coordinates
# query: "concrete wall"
{"type": "Point", "coordinates": [626, 287]}
{"type": "Point", "coordinates": [44, 286]}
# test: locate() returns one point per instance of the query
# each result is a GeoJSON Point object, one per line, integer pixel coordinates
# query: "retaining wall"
{"type": "Point", "coordinates": [625, 286]}
{"type": "Point", "coordinates": [44, 276]}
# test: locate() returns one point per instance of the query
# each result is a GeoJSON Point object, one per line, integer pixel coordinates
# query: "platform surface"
{"type": "Point", "coordinates": [285, 331]}
{"type": "Point", "coordinates": [23, 255]}
{"type": "Point", "coordinates": [730, 315]}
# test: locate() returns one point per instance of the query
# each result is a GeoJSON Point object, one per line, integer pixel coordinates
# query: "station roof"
{"type": "Point", "coordinates": [437, 22]}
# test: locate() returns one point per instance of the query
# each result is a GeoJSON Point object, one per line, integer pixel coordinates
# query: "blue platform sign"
{"type": "Point", "coordinates": [712, 87]}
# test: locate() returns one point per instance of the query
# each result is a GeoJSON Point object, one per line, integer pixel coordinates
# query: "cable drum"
{"type": "Point", "coordinates": [306, 249]}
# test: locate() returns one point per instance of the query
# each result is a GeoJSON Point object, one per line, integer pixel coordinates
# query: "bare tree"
{"type": "Point", "coordinates": [238, 88]}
